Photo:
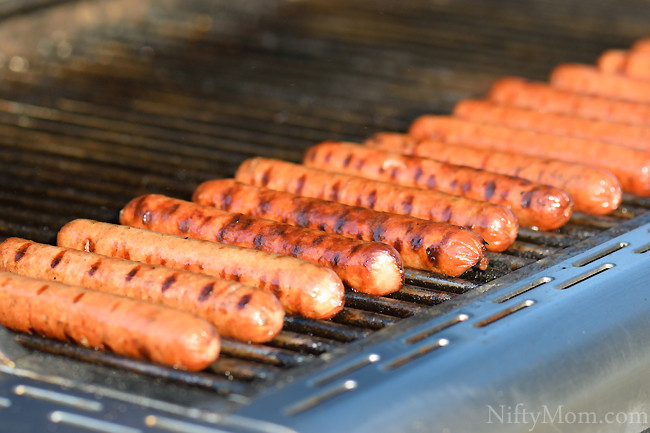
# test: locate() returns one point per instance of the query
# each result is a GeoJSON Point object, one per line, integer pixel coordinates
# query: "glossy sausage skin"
{"type": "Point", "coordinates": [496, 224]}
{"type": "Point", "coordinates": [370, 267]}
{"type": "Point", "coordinates": [630, 166]}
{"type": "Point", "coordinates": [593, 190]}
{"type": "Point", "coordinates": [107, 322]}
{"type": "Point", "coordinates": [422, 244]}
{"type": "Point", "coordinates": [589, 80]}
{"type": "Point", "coordinates": [634, 64]}
{"type": "Point", "coordinates": [301, 287]}
{"type": "Point", "coordinates": [543, 97]}
{"type": "Point", "coordinates": [535, 205]}
{"type": "Point", "coordinates": [634, 136]}
{"type": "Point", "coordinates": [236, 310]}
{"type": "Point", "coordinates": [612, 61]}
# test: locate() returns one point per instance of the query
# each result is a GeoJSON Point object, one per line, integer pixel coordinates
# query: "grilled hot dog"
{"type": "Point", "coordinates": [108, 322]}
{"type": "Point", "coordinates": [630, 166]}
{"type": "Point", "coordinates": [534, 205]}
{"type": "Point", "coordinates": [593, 191]}
{"type": "Point", "coordinates": [422, 244]}
{"type": "Point", "coordinates": [371, 267]}
{"type": "Point", "coordinates": [496, 224]}
{"type": "Point", "coordinates": [301, 287]}
{"type": "Point", "coordinates": [236, 310]}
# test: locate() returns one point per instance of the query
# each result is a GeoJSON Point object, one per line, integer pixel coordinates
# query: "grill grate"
{"type": "Point", "coordinates": [157, 106]}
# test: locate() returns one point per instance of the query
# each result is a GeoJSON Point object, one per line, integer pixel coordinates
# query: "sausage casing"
{"type": "Point", "coordinates": [301, 287]}
{"type": "Point", "coordinates": [370, 267]}
{"type": "Point", "coordinates": [496, 224]}
{"type": "Point", "coordinates": [630, 166]}
{"type": "Point", "coordinates": [422, 244]}
{"type": "Point", "coordinates": [535, 205]}
{"type": "Point", "coordinates": [236, 310]}
{"type": "Point", "coordinates": [593, 190]}
{"type": "Point", "coordinates": [108, 322]}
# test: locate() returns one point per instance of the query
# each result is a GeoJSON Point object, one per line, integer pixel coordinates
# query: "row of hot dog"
{"type": "Point", "coordinates": [285, 238]}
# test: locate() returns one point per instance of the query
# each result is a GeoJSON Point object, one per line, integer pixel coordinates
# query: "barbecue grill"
{"type": "Point", "coordinates": [102, 101]}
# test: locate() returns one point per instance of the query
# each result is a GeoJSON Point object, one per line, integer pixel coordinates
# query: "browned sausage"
{"type": "Point", "coordinates": [535, 205]}
{"type": "Point", "coordinates": [543, 97]}
{"type": "Point", "coordinates": [422, 244]}
{"type": "Point", "coordinates": [496, 224]}
{"type": "Point", "coordinates": [476, 110]}
{"type": "Point", "coordinates": [612, 61]}
{"type": "Point", "coordinates": [302, 287]}
{"type": "Point", "coordinates": [370, 267]}
{"type": "Point", "coordinates": [107, 322]}
{"type": "Point", "coordinates": [593, 191]}
{"type": "Point", "coordinates": [630, 166]}
{"type": "Point", "coordinates": [589, 80]}
{"type": "Point", "coordinates": [236, 310]}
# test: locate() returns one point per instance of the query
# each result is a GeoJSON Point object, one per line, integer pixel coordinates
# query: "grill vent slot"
{"type": "Point", "coordinates": [399, 362]}
{"type": "Point", "coordinates": [90, 424]}
{"type": "Point", "coordinates": [429, 332]}
{"type": "Point", "coordinates": [582, 277]}
{"type": "Point", "coordinates": [600, 254]}
{"type": "Point", "coordinates": [523, 289]}
{"type": "Point", "coordinates": [504, 313]}
{"type": "Point", "coordinates": [319, 398]}
{"type": "Point", "coordinates": [370, 359]}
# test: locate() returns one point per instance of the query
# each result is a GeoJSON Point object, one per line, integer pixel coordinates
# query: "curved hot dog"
{"type": "Point", "coordinates": [496, 224]}
{"type": "Point", "coordinates": [371, 267]}
{"type": "Point", "coordinates": [630, 166]}
{"type": "Point", "coordinates": [108, 322]}
{"type": "Point", "coordinates": [593, 190]}
{"type": "Point", "coordinates": [301, 287]}
{"type": "Point", "coordinates": [422, 244]}
{"type": "Point", "coordinates": [236, 310]}
{"type": "Point", "coordinates": [534, 205]}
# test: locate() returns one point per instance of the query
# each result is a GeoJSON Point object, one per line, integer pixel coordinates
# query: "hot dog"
{"type": "Point", "coordinates": [236, 310]}
{"type": "Point", "coordinates": [370, 267]}
{"type": "Point", "coordinates": [301, 287]}
{"type": "Point", "coordinates": [496, 224]}
{"type": "Point", "coordinates": [612, 61]}
{"type": "Point", "coordinates": [630, 166]}
{"type": "Point", "coordinates": [422, 244]}
{"type": "Point", "coordinates": [634, 136]}
{"type": "Point", "coordinates": [593, 191]}
{"type": "Point", "coordinates": [634, 64]}
{"type": "Point", "coordinates": [535, 205]}
{"type": "Point", "coordinates": [543, 97]}
{"type": "Point", "coordinates": [107, 322]}
{"type": "Point", "coordinates": [589, 80]}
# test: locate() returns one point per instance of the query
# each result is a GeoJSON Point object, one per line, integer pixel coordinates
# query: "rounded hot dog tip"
{"type": "Point", "coordinates": [236, 310]}
{"type": "Point", "coordinates": [496, 224]}
{"type": "Point", "coordinates": [107, 322]}
{"type": "Point", "coordinates": [422, 244]}
{"type": "Point", "coordinates": [540, 206]}
{"type": "Point", "coordinates": [347, 257]}
{"type": "Point", "coordinates": [301, 287]}
{"type": "Point", "coordinates": [593, 190]}
{"type": "Point", "coordinates": [630, 166]}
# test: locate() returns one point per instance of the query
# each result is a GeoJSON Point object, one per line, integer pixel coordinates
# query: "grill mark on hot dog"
{"type": "Point", "coordinates": [407, 204]}
{"type": "Point", "coordinates": [334, 196]}
{"type": "Point", "coordinates": [205, 292]}
{"type": "Point", "coordinates": [466, 186]}
{"type": "Point", "coordinates": [131, 273]}
{"type": "Point", "coordinates": [526, 198]}
{"type": "Point", "coordinates": [490, 187]}
{"type": "Point", "coordinates": [183, 226]}
{"type": "Point", "coordinates": [168, 282]}
{"type": "Point", "coordinates": [372, 199]}
{"type": "Point", "coordinates": [78, 298]}
{"type": "Point", "coordinates": [319, 240]}
{"type": "Point", "coordinates": [336, 259]}
{"type": "Point", "coordinates": [416, 242]}
{"type": "Point", "coordinates": [94, 267]}
{"type": "Point", "coordinates": [243, 301]}
{"type": "Point", "coordinates": [143, 351]}
{"type": "Point", "coordinates": [57, 259]}
{"type": "Point", "coordinates": [300, 184]}
{"type": "Point", "coordinates": [21, 251]}
{"type": "Point", "coordinates": [431, 181]}
{"type": "Point", "coordinates": [89, 246]}
{"type": "Point", "coordinates": [445, 215]}
{"type": "Point", "coordinates": [453, 184]}
{"type": "Point", "coordinates": [266, 176]}
{"type": "Point", "coordinates": [347, 160]}
{"type": "Point", "coordinates": [43, 288]}
{"type": "Point", "coordinates": [173, 209]}
{"type": "Point", "coordinates": [418, 173]}
{"type": "Point", "coordinates": [258, 240]}
{"type": "Point", "coordinates": [377, 233]}
{"type": "Point", "coordinates": [227, 199]}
